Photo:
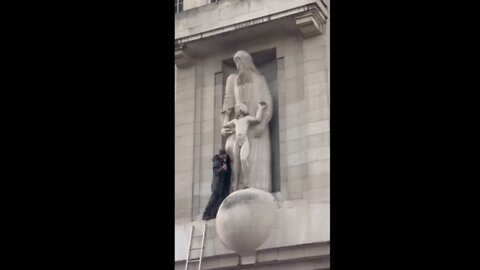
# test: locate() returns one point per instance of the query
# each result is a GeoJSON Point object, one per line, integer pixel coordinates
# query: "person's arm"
{"type": "Point", "coordinates": [217, 167]}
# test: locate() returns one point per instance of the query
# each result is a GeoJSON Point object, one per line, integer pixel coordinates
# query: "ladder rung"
{"type": "Point", "coordinates": [193, 260]}
{"type": "Point", "coordinates": [197, 236]}
{"type": "Point", "coordinates": [195, 248]}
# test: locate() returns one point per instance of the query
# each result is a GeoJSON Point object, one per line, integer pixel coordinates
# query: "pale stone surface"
{"type": "Point", "coordinates": [297, 222]}
{"type": "Point", "coordinates": [251, 259]}
{"type": "Point", "coordinates": [228, 261]}
{"type": "Point", "coordinates": [315, 77]}
{"type": "Point", "coordinates": [182, 58]}
{"type": "Point", "coordinates": [304, 133]}
{"type": "Point", "coordinates": [293, 134]}
{"type": "Point", "coordinates": [245, 220]}
{"type": "Point", "coordinates": [249, 149]}
{"type": "Point", "coordinates": [235, 8]}
{"type": "Point", "coordinates": [228, 11]}
{"type": "Point", "coordinates": [314, 54]}
{"type": "Point", "coordinates": [181, 242]}
{"type": "Point", "coordinates": [296, 146]}
{"type": "Point", "coordinates": [314, 65]}
{"type": "Point", "coordinates": [189, 4]}
{"type": "Point", "coordinates": [296, 159]}
{"type": "Point", "coordinates": [318, 195]}
{"type": "Point", "coordinates": [306, 264]}
{"type": "Point", "coordinates": [317, 127]}
{"type": "Point", "coordinates": [316, 89]}
{"type": "Point", "coordinates": [309, 25]}
{"type": "Point", "coordinates": [297, 172]}
{"type": "Point", "coordinates": [318, 153]}
{"type": "Point", "coordinates": [294, 185]}
{"type": "Point", "coordinates": [267, 255]}
{"type": "Point", "coordinates": [182, 184]}
{"type": "Point", "coordinates": [319, 167]}
{"type": "Point", "coordinates": [184, 118]}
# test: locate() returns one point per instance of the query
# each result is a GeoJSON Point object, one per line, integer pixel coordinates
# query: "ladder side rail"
{"type": "Point", "coordinates": [188, 251]}
{"type": "Point", "coordinates": [203, 245]}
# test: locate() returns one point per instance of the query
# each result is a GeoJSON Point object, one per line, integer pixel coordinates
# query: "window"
{"type": "Point", "coordinates": [178, 6]}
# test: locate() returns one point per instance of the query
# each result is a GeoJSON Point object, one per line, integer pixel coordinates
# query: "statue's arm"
{"type": "Point", "coordinates": [260, 112]}
{"type": "Point", "coordinates": [228, 104]}
{"type": "Point", "coordinates": [229, 98]}
{"type": "Point", "coordinates": [226, 115]}
{"type": "Point", "coordinates": [229, 124]}
{"type": "Point", "coordinates": [267, 98]}
{"type": "Point", "coordinates": [267, 112]}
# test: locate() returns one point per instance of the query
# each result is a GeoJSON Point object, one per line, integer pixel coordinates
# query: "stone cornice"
{"type": "Point", "coordinates": [317, 13]}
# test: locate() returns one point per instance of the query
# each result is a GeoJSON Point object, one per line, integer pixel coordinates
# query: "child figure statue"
{"type": "Point", "coordinates": [241, 145]}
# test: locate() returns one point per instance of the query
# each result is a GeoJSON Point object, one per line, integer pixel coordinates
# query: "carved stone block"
{"type": "Point", "coordinates": [183, 58]}
{"type": "Point", "coordinates": [310, 23]}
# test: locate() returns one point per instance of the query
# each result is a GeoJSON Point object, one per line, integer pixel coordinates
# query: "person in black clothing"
{"type": "Point", "coordinates": [220, 184]}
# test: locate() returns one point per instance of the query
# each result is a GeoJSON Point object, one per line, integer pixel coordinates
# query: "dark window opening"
{"type": "Point", "coordinates": [178, 6]}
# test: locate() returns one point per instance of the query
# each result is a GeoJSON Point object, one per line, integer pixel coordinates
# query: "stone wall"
{"type": "Point", "coordinates": [226, 12]}
{"type": "Point", "coordinates": [189, 4]}
{"type": "Point", "coordinates": [309, 256]}
{"type": "Point", "coordinates": [303, 87]}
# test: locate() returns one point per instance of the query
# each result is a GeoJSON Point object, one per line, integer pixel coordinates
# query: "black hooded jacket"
{"type": "Point", "coordinates": [221, 178]}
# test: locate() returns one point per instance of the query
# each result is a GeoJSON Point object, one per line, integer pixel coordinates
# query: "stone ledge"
{"type": "Point", "coordinates": [298, 223]}
{"type": "Point", "coordinates": [319, 252]}
{"type": "Point", "coordinates": [313, 9]}
{"type": "Point", "coordinates": [293, 253]}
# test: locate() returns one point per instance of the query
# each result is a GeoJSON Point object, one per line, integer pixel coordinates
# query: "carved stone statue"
{"type": "Point", "coordinates": [241, 146]}
{"type": "Point", "coordinates": [245, 92]}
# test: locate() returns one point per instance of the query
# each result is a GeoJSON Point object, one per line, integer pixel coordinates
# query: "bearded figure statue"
{"type": "Point", "coordinates": [247, 89]}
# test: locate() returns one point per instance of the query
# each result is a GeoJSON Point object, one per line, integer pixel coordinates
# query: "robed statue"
{"type": "Point", "coordinates": [247, 94]}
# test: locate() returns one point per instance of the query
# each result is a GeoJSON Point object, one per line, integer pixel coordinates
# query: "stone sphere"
{"type": "Point", "coordinates": [245, 219]}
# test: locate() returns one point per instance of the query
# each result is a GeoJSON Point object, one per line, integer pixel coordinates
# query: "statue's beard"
{"type": "Point", "coordinates": [244, 77]}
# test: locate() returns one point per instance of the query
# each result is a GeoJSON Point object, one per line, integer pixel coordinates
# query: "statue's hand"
{"type": "Point", "coordinates": [262, 105]}
{"type": "Point", "coordinates": [227, 131]}
{"type": "Point", "coordinates": [259, 130]}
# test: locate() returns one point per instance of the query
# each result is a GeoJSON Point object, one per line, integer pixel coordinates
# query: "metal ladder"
{"type": "Point", "coordinates": [199, 260]}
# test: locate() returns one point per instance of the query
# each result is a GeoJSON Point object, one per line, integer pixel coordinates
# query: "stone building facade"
{"type": "Point", "coordinates": [289, 42]}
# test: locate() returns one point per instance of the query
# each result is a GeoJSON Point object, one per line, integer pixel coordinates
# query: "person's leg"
{"type": "Point", "coordinates": [226, 186]}
{"type": "Point", "coordinates": [216, 206]}
{"type": "Point", "coordinates": [207, 214]}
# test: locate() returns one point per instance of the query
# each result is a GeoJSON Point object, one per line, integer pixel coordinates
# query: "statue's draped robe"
{"type": "Point", "coordinates": [251, 94]}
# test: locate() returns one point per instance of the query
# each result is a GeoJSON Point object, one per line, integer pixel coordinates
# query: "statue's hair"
{"type": "Point", "coordinates": [241, 108]}
{"type": "Point", "coordinates": [247, 59]}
